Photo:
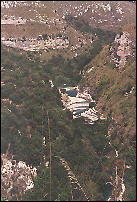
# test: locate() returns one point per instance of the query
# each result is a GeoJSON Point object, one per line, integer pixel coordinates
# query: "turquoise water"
{"type": "Point", "coordinates": [72, 93]}
{"type": "Point", "coordinates": [80, 111]}
{"type": "Point", "coordinates": [65, 86]}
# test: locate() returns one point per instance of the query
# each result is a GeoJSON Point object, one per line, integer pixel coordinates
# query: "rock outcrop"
{"type": "Point", "coordinates": [16, 177]}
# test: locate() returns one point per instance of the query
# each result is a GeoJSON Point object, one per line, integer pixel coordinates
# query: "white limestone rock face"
{"type": "Point", "coordinates": [16, 176]}
{"type": "Point", "coordinates": [121, 49]}
{"type": "Point", "coordinates": [33, 44]}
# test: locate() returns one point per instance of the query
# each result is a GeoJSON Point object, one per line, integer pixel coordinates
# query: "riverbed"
{"type": "Point", "coordinates": [79, 103]}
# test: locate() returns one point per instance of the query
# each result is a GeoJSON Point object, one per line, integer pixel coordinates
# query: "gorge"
{"type": "Point", "coordinates": [68, 101]}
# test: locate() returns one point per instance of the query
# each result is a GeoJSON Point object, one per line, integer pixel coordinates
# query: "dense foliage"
{"type": "Point", "coordinates": [26, 85]}
{"type": "Point", "coordinates": [27, 97]}
{"type": "Point", "coordinates": [68, 71]}
{"type": "Point", "coordinates": [80, 24]}
{"type": "Point", "coordinates": [115, 93]}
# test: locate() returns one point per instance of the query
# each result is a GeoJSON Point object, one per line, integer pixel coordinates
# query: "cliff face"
{"type": "Point", "coordinates": [16, 178]}
{"type": "Point", "coordinates": [56, 25]}
{"type": "Point", "coordinates": [121, 49]}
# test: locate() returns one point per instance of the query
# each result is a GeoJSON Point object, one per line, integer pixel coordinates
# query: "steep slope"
{"type": "Point", "coordinates": [114, 88]}
{"type": "Point", "coordinates": [26, 98]}
{"type": "Point", "coordinates": [102, 14]}
{"type": "Point", "coordinates": [28, 21]}
{"type": "Point", "coordinates": [46, 44]}
{"type": "Point", "coordinates": [109, 78]}
{"type": "Point", "coordinates": [41, 29]}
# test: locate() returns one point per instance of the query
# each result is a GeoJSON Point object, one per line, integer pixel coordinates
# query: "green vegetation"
{"type": "Point", "coordinates": [84, 147]}
{"type": "Point", "coordinates": [114, 91]}
{"type": "Point", "coordinates": [27, 85]}
{"type": "Point", "coordinates": [62, 71]}
{"type": "Point", "coordinates": [81, 25]}
{"type": "Point", "coordinates": [78, 23]}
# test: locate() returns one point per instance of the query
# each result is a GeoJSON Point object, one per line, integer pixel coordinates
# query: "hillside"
{"type": "Point", "coordinates": [68, 100]}
{"type": "Point", "coordinates": [114, 88]}
{"type": "Point", "coordinates": [111, 78]}
{"type": "Point", "coordinates": [26, 21]}
{"type": "Point", "coordinates": [26, 98]}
